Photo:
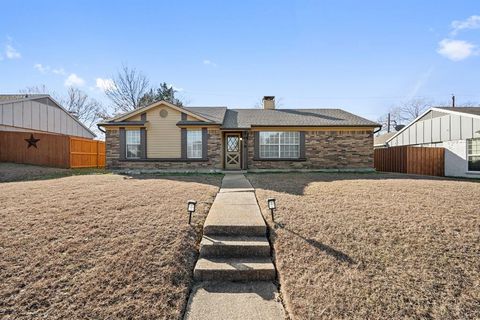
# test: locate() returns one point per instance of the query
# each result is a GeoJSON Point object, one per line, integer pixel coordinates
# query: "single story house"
{"type": "Point", "coordinates": [165, 136]}
{"type": "Point", "coordinates": [457, 129]}
{"type": "Point", "coordinates": [39, 113]}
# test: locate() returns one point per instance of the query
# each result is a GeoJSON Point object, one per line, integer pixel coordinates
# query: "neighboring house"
{"type": "Point", "coordinates": [165, 136]}
{"type": "Point", "coordinates": [380, 141]}
{"type": "Point", "coordinates": [455, 129]}
{"type": "Point", "coordinates": [39, 113]}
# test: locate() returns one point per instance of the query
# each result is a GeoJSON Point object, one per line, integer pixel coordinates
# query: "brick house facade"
{"type": "Point", "coordinates": [166, 137]}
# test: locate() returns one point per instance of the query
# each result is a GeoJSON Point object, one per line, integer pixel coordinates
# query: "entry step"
{"type": "Point", "coordinates": [234, 269]}
{"type": "Point", "coordinates": [234, 246]}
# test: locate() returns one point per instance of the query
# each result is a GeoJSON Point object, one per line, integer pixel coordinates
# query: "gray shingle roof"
{"type": "Point", "coordinates": [381, 140]}
{"type": "Point", "coordinates": [215, 114]}
{"type": "Point", "coordinates": [246, 118]}
{"type": "Point", "coordinates": [468, 110]}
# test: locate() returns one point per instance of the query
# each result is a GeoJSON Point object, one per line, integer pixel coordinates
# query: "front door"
{"type": "Point", "coordinates": [232, 151]}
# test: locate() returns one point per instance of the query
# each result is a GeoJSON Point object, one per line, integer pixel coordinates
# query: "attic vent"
{"type": "Point", "coordinates": [163, 113]}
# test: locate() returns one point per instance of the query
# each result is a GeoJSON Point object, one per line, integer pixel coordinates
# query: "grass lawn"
{"type": "Point", "coordinates": [375, 246]}
{"type": "Point", "coordinates": [99, 246]}
{"type": "Point", "coordinates": [20, 172]}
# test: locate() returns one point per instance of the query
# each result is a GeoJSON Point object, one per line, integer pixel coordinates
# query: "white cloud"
{"type": "Point", "coordinates": [456, 50]}
{"type": "Point", "coordinates": [104, 84]}
{"type": "Point", "coordinates": [472, 22]}
{"type": "Point", "coordinates": [74, 81]}
{"type": "Point", "coordinates": [11, 52]}
{"type": "Point", "coordinates": [47, 69]}
{"type": "Point", "coordinates": [175, 88]}
{"type": "Point", "coordinates": [40, 67]}
{"type": "Point", "coordinates": [209, 63]}
{"type": "Point", "coordinates": [59, 71]}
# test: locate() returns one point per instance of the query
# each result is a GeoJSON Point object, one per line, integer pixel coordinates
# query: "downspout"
{"type": "Point", "coordinates": [98, 126]}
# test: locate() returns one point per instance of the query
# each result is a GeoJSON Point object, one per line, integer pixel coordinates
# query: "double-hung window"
{"type": "Point", "coordinates": [279, 145]}
{"type": "Point", "coordinates": [473, 154]}
{"type": "Point", "coordinates": [133, 150]}
{"type": "Point", "coordinates": [194, 144]}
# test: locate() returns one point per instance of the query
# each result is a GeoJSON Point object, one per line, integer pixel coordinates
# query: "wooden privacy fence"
{"type": "Point", "coordinates": [85, 153]}
{"type": "Point", "coordinates": [51, 150]}
{"type": "Point", "coordinates": [413, 160]}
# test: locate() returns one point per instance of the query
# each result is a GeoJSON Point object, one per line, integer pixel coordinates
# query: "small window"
{"type": "Point", "coordinates": [133, 149]}
{"type": "Point", "coordinates": [279, 145]}
{"type": "Point", "coordinates": [194, 144]}
{"type": "Point", "coordinates": [473, 154]}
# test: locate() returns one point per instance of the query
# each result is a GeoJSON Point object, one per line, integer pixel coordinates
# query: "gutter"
{"type": "Point", "coordinates": [99, 128]}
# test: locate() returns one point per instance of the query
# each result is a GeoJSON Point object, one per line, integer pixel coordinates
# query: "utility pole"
{"type": "Point", "coordinates": [453, 101]}
{"type": "Point", "coordinates": [388, 123]}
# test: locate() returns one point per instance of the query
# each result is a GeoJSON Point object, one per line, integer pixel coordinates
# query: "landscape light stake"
{"type": "Point", "coordinates": [272, 206]}
{"type": "Point", "coordinates": [191, 209]}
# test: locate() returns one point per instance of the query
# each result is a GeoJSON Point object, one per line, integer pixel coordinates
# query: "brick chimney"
{"type": "Point", "coordinates": [269, 102]}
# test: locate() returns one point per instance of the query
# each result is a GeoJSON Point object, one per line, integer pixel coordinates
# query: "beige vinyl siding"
{"type": "Point", "coordinates": [163, 135]}
{"type": "Point", "coordinates": [138, 117]}
{"type": "Point", "coordinates": [190, 118]}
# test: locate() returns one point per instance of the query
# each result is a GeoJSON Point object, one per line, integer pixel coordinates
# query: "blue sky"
{"type": "Point", "coordinates": [363, 56]}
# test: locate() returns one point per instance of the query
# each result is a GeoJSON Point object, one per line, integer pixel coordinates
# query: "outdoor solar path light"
{"type": "Point", "coordinates": [191, 209]}
{"type": "Point", "coordinates": [272, 206]}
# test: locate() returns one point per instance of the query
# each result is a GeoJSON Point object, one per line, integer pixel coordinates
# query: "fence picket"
{"type": "Point", "coordinates": [407, 159]}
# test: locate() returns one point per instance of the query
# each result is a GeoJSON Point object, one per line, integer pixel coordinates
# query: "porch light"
{"type": "Point", "coordinates": [191, 209]}
{"type": "Point", "coordinates": [272, 206]}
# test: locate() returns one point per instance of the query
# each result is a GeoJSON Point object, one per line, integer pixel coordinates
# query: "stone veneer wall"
{"type": "Point", "coordinates": [325, 150]}
{"type": "Point", "coordinates": [214, 155]}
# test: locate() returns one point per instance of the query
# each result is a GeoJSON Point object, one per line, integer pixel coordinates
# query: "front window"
{"type": "Point", "coordinates": [133, 144]}
{"type": "Point", "coordinates": [280, 145]}
{"type": "Point", "coordinates": [473, 154]}
{"type": "Point", "coordinates": [194, 144]}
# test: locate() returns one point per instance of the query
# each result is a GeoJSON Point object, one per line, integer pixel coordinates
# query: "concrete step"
{"type": "Point", "coordinates": [235, 213]}
{"type": "Point", "coordinates": [234, 269]}
{"type": "Point", "coordinates": [234, 230]}
{"type": "Point", "coordinates": [234, 246]}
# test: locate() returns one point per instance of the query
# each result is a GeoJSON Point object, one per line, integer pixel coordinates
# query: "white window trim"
{"type": "Point", "coordinates": [132, 144]}
{"type": "Point", "coordinates": [279, 145]}
{"type": "Point", "coordinates": [201, 144]}
{"type": "Point", "coordinates": [472, 155]}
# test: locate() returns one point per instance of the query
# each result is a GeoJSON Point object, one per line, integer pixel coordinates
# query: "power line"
{"type": "Point", "coordinates": [440, 96]}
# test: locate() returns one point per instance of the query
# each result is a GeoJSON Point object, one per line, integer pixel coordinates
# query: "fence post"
{"type": "Point", "coordinates": [96, 158]}
{"type": "Point", "coordinates": [70, 155]}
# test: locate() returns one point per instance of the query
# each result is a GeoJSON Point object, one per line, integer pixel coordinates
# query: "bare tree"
{"type": "Point", "coordinates": [88, 110]}
{"type": "Point", "coordinates": [39, 89]}
{"type": "Point", "coordinates": [410, 110]}
{"type": "Point", "coordinates": [129, 86]}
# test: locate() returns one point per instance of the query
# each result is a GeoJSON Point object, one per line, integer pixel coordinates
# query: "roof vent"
{"type": "Point", "coordinates": [269, 102]}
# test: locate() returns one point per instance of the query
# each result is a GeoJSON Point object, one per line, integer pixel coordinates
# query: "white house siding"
{"type": "Point", "coordinates": [441, 129]}
{"type": "Point", "coordinates": [32, 115]}
{"type": "Point", "coordinates": [456, 159]}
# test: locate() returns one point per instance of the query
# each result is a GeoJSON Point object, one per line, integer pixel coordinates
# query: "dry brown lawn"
{"type": "Point", "coordinates": [375, 246]}
{"type": "Point", "coordinates": [15, 172]}
{"type": "Point", "coordinates": [99, 246]}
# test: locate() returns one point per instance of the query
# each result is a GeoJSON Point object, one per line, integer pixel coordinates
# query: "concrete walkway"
{"type": "Point", "coordinates": [234, 248]}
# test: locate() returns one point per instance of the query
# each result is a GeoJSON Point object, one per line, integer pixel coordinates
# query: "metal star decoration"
{"type": "Point", "coordinates": [32, 141]}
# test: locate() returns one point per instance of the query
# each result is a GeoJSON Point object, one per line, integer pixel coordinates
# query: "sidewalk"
{"type": "Point", "coordinates": [234, 248]}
